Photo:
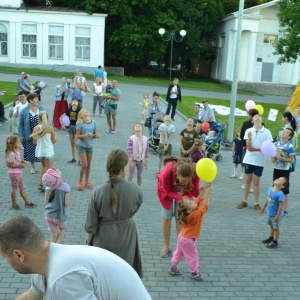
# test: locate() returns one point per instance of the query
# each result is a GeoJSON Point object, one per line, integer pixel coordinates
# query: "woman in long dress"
{"type": "Point", "coordinates": [109, 221]}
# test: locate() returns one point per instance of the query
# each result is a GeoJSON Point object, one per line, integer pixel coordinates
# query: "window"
{"type": "Point", "coordinates": [222, 40]}
{"type": "Point", "coordinates": [56, 47]}
{"type": "Point", "coordinates": [270, 39]}
{"type": "Point", "coordinates": [3, 40]}
{"type": "Point", "coordinates": [29, 41]}
{"type": "Point", "coordinates": [82, 43]}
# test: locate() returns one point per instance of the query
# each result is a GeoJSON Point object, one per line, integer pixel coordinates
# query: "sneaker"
{"type": "Point", "coordinates": [32, 171]}
{"type": "Point", "coordinates": [113, 131]}
{"type": "Point", "coordinates": [142, 122]}
{"type": "Point", "coordinates": [174, 271]}
{"type": "Point", "coordinates": [233, 176]}
{"type": "Point", "coordinates": [272, 245]}
{"type": "Point", "coordinates": [267, 241]}
{"type": "Point", "coordinates": [241, 177]}
{"type": "Point", "coordinates": [251, 191]}
{"type": "Point", "coordinates": [79, 163]}
{"type": "Point", "coordinates": [242, 187]}
{"type": "Point", "coordinates": [242, 204]}
{"type": "Point", "coordinates": [257, 207]}
{"type": "Point", "coordinates": [108, 130]}
{"type": "Point", "coordinates": [30, 205]}
{"type": "Point", "coordinates": [196, 275]}
{"type": "Point", "coordinates": [285, 213]}
{"type": "Point", "coordinates": [73, 160]}
{"type": "Point", "coordinates": [16, 207]}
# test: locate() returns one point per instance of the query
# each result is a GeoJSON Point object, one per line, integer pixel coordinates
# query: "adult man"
{"type": "Point", "coordinates": [254, 161]}
{"type": "Point", "coordinates": [98, 73]}
{"type": "Point", "coordinates": [66, 271]}
{"type": "Point", "coordinates": [20, 85]}
{"type": "Point", "coordinates": [173, 95]}
{"type": "Point", "coordinates": [207, 114]}
{"type": "Point", "coordinates": [197, 113]}
{"type": "Point", "coordinates": [111, 107]}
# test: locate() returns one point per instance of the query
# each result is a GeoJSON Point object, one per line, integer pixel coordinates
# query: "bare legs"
{"type": "Point", "coordinates": [73, 141]}
{"type": "Point", "coordinates": [56, 237]}
{"type": "Point", "coordinates": [166, 229]}
{"type": "Point", "coordinates": [45, 165]}
{"type": "Point", "coordinates": [256, 181]}
{"type": "Point", "coordinates": [86, 159]}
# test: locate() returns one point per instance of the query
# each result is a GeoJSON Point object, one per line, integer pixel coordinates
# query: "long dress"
{"type": "Point", "coordinates": [60, 108]}
{"type": "Point", "coordinates": [116, 231]}
{"type": "Point", "coordinates": [29, 146]}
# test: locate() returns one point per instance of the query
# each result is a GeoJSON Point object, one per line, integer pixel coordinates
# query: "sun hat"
{"type": "Point", "coordinates": [52, 179]}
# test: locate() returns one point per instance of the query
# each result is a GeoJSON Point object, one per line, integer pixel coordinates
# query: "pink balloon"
{"type": "Point", "coordinates": [249, 105]}
{"type": "Point", "coordinates": [268, 149]}
{"type": "Point", "coordinates": [66, 121]}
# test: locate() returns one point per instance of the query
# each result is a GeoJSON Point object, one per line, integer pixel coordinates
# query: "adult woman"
{"type": "Point", "coordinates": [61, 103]}
{"type": "Point", "coordinates": [98, 90]}
{"type": "Point", "coordinates": [175, 181]}
{"type": "Point", "coordinates": [28, 119]}
{"type": "Point", "coordinates": [153, 108]}
{"type": "Point", "coordinates": [109, 222]}
{"type": "Point", "coordinates": [26, 84]}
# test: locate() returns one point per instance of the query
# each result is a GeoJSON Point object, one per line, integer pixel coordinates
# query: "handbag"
{"type": "Point", "coordinates": [147, 122]}
{"type": "Point", "coordinates": [114, 106]}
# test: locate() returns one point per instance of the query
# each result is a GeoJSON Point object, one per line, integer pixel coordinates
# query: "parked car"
{"type": "Point", "coordinates": [153, 64]}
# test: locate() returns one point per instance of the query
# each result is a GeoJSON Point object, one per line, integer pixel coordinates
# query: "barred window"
{"type": "Point", "coordinates": [3, 40]}
{"type": "Point", "coordinates": [29, 45]}
{"type": "Point", "coordinates": [56, 47]}
{"type": "Point", "coordinates": [82, 43]}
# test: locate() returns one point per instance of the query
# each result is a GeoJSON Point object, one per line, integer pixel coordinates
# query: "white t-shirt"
{"type": "Point", "coordinates": [174, 89]}
{"type": "Point", "coordinates": [167, 130]}
{"type": "Point", "coordinates": [256, 158]}
{"type": "Point", "coordinates": [86, 273]}
{"type": "Point", "coordinates": [21, 106]}
{"type": "Point", "coordinates": [98, 89]}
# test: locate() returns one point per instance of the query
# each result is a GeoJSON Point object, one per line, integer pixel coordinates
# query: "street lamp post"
{"type": "Point", "coordinates": [171, 38]}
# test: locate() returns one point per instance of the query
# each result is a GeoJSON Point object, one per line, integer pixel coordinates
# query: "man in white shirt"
{"type": "Point", "coordinates": [207, 114]}
{"type": "Point", "coordinates": [66, 271]}
{"type": "Point", "coordinates": [22, 103]}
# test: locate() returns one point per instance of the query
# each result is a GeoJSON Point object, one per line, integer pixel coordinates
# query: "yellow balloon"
{"type": "Point", "coordinates": [206, 169]}
{"type": "Point", "coordinates": [259, 108]}
{"type": "Point", "coordinates": [146, 105]}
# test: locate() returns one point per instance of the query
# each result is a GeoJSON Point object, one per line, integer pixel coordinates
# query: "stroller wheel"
{"type": "Point", "coordinates": [209, 155]}
{"type": "Point", "coordinates": [219, 157]}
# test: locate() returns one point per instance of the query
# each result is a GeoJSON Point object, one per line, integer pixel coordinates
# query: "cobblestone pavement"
{"type": "Point", "coordinates": [234, 262]}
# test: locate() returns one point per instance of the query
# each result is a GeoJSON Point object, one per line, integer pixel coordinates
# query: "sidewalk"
{"type": "Point", "coordinates": [234, 262]}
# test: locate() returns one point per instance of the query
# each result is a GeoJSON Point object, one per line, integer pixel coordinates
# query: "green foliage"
{"type": "Point", "coordinates": [231, 6]}
{"type": "Point", "coordinates": [288, 47]}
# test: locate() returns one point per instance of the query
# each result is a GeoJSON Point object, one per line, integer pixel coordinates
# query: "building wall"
{"type": "Point", "coordinates": [40, 22]}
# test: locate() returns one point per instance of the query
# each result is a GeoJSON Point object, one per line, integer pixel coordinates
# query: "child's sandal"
{"type": "Point", "coordinates": [80, 186]}
{"type": "Point", "coordinates": [196, 276]}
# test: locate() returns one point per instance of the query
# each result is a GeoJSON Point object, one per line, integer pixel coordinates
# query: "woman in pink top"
{"type": "Point", "coordinates": [138, 152]}
{"type": "Point", "coordinates": [175, 181]}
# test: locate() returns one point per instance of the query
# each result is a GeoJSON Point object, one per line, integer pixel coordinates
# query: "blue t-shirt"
{"type": "Point", "coordinates": [273, 202]}
{"type": "Point", "coordinates": [114, 93]}
{"type": "Point", "coordinates": [99, 73]}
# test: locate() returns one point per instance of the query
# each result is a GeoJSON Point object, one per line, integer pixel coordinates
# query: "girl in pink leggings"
{"type": "Point", "coordinates": [190, 214]}
{"type": "Point", "coordinates": [57, 197]}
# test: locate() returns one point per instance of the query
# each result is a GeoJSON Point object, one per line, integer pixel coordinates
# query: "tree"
{"type": "Point", "coordinates": [231, 6]}
{"type": "Point", "coordinates": [288, 46]}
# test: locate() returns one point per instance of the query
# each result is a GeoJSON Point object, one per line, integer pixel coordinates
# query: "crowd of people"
{"type": "Point", "coordinates": [109, 220]}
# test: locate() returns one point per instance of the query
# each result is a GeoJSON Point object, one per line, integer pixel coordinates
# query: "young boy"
{"type": "Point", "coordinates": [166, 133]}
{"type": "Point", "coordinates": [285, 154]}
{"type": "Point", "coordinates": [274, 202]}
{"type": "Point", "coordinates": [188, 137]}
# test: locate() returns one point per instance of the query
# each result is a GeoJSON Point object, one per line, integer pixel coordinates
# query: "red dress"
{"type": "Point", "coordinates": [61, 106]}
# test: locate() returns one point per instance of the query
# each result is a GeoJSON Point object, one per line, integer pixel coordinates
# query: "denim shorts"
{"type": "Point", "coordinates": [109, 110]}
{"type": "Point", "coordinates": [257, 170]}
{"type": "Point", "coordinates": [273, 224]}
{"type": "Point", "coordinates": [168, 214]}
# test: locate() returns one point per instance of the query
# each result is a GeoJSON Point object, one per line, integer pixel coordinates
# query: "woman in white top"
{"type": "Point", "coordinates": [44, 137]}
{"type": "Point", "coordinates": [98, 90]}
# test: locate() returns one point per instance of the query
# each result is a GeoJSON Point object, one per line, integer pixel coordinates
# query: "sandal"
{"type": "Point", "coordinates": [16, 207]}
{"type": "Point", "coordinates": [174, 271]}
{"type": "Point", "coordinates": [80, 186]}
{"type": "Point", "coordinates": [31, 205]}
{"type": "Point", "coordinates": [196, 276]}
{"type": "Point", "coordinates": [164, 253]}
{"type": "Point", "coordinates": [41, 188]}
{"type": "Point", "coordinates": [88, 185]}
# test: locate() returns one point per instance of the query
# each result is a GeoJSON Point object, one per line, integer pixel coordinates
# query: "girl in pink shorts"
{"type": "Point", "coordinates": [15, 166]}
{"type": "Point", "coordinates": [190, 214]}
{"type": "Point", "coordinates": [57, 197]}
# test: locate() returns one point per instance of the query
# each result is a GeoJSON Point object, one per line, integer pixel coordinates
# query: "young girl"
{"type": "Point", "coordinates": [199, 152]}
{"type": "Point", "coordinates": [13, 124]}
{"type": "Point", "coordinates": [85, 133]}
{"type": "Point", "coordinates": [190, 214]}
{"type": "Point", "coordinates": [138, 152]}
{"type": "Point", "coordinates": [57, 197]}
{"type": "Point", "coordinates": [72, 113]}
{"type": "Point", "coordinates": [275, 200]}
{"type": "Point", "coordinates": [237, 154]}
{"type": "Point", "coordinates": [15, 166]}
{"type": "Point", "coordinates": [44, 137]}
{"type": "Point", "coordinates": [145, 105]}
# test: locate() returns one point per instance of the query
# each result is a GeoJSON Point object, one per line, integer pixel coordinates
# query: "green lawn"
{"type": "Point", "coordinates": [11, 90]}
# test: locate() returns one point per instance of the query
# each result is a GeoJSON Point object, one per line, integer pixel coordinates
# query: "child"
{"type": "Point", "coordinates": [13, 124]}
{"type": "Point", "coordinates": [85, 133]}
{"type": "Point", "coordinates": [57, 197]}
{"type": "Point", "coordinates": [188, 137]}
{"type": "Point", "coordinates": [145, 105]}
{"type": "Point", "coordinates": [72, 113]}
{"type": "Point", "coordinates": [44, 137]}
{"type": "Point", "coordinates": [165, 145]}
{"type": "Point", "coordinates": [285, 154]}
{"type": "Point", "coordinates": [138, 152]}
{"type": "Point", "coordinates": [199, 152]}
{"type": "Point", "coordinates": [275, 201]}
{"type": "Point", "coordinates": [190, 214]}
{"type": "Point", "coordinates": [38, 90]}
{"type": "Point", "coordinates": [15, 166]}
{"type": "Point", "coordinates": [237, 152]}
{"type": "Point", "coordinates": [107, 93]}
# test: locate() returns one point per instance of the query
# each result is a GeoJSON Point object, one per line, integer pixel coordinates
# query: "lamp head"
{"type": "Point", "coordinates": [182, 33]}
{"type": "Point", "coordinates": [161, 31]}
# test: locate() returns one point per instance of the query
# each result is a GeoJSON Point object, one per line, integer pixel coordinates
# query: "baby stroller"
{"type": "Point", "coordinates": [213, 143]}
{"type": "Point", "coordinates": [157, 119]}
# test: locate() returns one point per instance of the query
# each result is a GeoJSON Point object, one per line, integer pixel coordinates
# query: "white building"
{"type": "Point", "coordinates": [41, 35]}
{"type": "Point", "coordinates": [257, 63]}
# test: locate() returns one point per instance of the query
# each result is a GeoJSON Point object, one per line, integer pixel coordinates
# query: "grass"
{"type": "Point", "coordinates": [11, 90]}
{"type": "Point", "coordinates": [151, 80]}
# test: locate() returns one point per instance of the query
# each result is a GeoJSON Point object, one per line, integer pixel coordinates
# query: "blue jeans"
{"type": "Point", "coordinates": [172, 102]}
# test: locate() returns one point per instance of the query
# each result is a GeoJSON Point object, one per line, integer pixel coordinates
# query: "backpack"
{"type": "Point", "coordinates": [77, 95]}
